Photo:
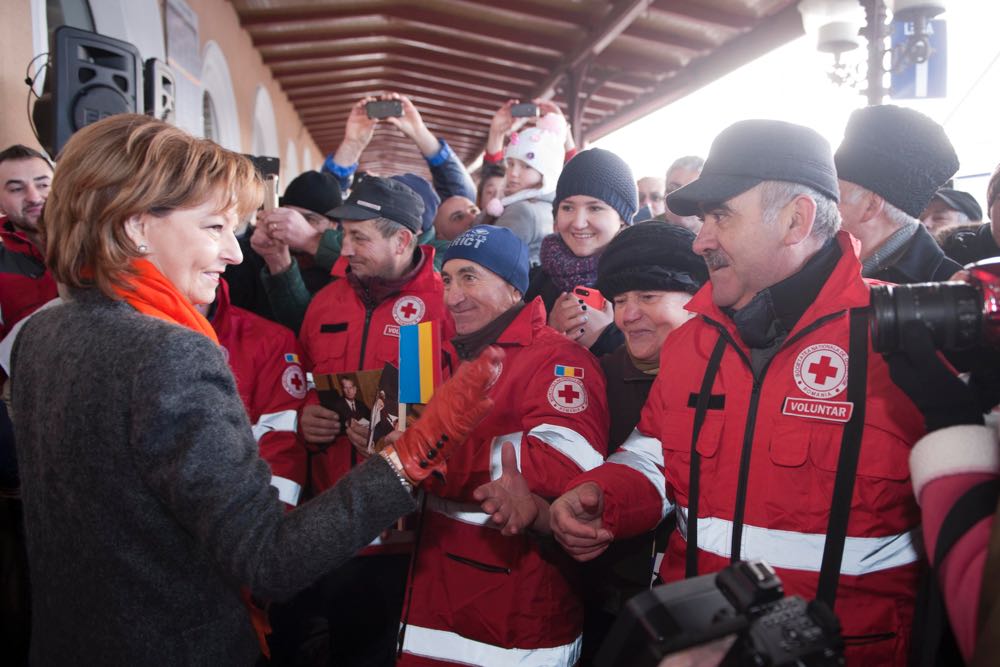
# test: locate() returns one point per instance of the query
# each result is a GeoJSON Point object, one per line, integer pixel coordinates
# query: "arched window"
{"type": "Point", "coordinates": [219, 113]}
{"type": "Point", "coordinates": [265, 130]}
{"type": "Point", "coordinates": [308, 164]}
{"type": "Point", "coordinates": [290, 169]}
{"type": "Point", "coordinates": [209, 118]}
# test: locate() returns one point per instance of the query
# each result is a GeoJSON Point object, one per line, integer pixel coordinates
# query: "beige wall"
{"type": "Point", "coordinates": [217, 21]}
{"type": "Point", "coordinates": [15, 52]}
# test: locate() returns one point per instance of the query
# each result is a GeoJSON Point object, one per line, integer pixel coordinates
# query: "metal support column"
{"type": "Point", "coordinates": [875, 33]}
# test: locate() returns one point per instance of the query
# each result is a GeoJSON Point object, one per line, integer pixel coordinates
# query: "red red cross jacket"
{"type": "Point", "coordinates": [480, 598]}
{"type": "Point", "coordinates": [792, 419]}
{"type": "Point", "coordinates": [264, 357]}
{"type": "Point", "coordinates": [339, 334]}
{"type": "Point", "coordinates": [25, 283]}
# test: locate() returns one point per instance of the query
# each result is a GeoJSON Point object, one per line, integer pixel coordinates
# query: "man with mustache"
{"type": "Point", "coordinates": [742, 440]}
{"type": "Point", "coordinates": [25, 178]}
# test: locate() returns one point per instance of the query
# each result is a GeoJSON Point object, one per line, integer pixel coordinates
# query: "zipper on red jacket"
{"type": "Point", "coordinates": [364, 336]}
{"type": "Point", "coordinates": [743, 481]}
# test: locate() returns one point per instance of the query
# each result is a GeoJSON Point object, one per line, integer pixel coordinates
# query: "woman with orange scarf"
{"type": "Point", "coordinates": [147, 507]}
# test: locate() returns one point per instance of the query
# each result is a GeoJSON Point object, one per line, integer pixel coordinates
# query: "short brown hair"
{"type": "Point", "coordinates": [124, 166]}
{"type": "Point", "coordinates": [22, 152]}
{"type": "Point", "coordinates": [993, 189]}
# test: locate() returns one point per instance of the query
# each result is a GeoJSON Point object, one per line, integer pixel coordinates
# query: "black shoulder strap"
{"type": "Point", "coordinates": [691, 566]}
{"type": "Point", "coordinates": [847, 464]}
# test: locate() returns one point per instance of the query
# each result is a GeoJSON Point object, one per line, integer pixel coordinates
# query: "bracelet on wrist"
{"type": "Point", "coordinates": [392, 458]}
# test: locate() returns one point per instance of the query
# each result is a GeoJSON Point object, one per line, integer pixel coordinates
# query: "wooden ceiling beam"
{"type": "Point", "coordinates": [768, 34]}
{"type": "Point", "coordinates": [441, 49]}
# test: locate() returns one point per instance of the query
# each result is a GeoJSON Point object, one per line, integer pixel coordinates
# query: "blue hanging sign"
{"type": "Point", "coordinates": [926, 79]}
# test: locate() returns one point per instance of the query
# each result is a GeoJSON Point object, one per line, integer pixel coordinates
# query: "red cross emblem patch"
{"type": "Point", "coordinates": [408, 310]}
{"type": "Point", "coordinates": [294, 381]}
{"type": "Point", "coordinates": [821, 370]}
{"type": "Point", "coordinates": [568, 395]}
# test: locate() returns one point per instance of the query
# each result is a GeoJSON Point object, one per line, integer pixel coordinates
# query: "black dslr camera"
{"type": "Point", "coordinates": [744, 602]}
{"type": "Point", "coordinates": [959, 315]}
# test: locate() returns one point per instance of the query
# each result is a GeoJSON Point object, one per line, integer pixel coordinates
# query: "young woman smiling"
{"type": "Point", "coordinates": [595, 199]}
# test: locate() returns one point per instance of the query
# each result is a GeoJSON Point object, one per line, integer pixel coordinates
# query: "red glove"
{"type": "Point", "coordinates": [456, 408]}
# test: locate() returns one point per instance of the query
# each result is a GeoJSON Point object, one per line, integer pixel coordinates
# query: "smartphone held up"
{"type": "Point", "coordinates": [384, 109]}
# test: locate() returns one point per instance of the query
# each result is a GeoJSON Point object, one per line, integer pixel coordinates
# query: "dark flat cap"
{"type": "Point", "coordinates": [753, 151]}
{"type": "Point", "coordinates": [376, 197]}
{"type": "Point", "coordinates": [960, 201]}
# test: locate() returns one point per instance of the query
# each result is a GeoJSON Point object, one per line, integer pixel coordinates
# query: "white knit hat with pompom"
{"type": "Point", "coordinates": [543, 148]}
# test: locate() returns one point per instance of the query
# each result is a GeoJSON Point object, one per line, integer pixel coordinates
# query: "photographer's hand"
{"type": "Point", "coordinates": [412, 125]}
{"type": "Point", "coordinates": [577, 523]}
{"type": "Point", "coordinates": [357, 133]}
{"type": "Point", "coordinates": [919, 370]}
{"type": "Point", "coordinates": [502, 124]}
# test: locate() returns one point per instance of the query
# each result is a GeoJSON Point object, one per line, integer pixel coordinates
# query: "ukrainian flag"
{"type": "Point", "coordinates": [419, 361]}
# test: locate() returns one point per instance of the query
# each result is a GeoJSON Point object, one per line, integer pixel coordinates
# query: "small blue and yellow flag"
{"type": "Point", "coordinates": [569, 371]}
{"type": "Point", "coordinates": [291, 358]}
{"type": "Point", "coordinates": [419, 361]}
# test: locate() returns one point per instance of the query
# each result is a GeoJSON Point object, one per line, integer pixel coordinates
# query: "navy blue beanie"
{"type": "Point", "coordinates": [426, 192]}
{"type": "Point", "coordinates": [603, 175]}
{"type": "Point", "coordinates": [495, 248]}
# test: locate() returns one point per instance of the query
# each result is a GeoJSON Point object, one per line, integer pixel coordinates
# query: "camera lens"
{"type": "Point", "coordinates": [952, 311]}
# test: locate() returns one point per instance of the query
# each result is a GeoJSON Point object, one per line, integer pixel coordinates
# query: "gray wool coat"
{"type": "Point", "coordinates": [146, 503]}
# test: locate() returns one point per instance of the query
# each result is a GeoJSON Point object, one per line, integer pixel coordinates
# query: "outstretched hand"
{"type": "Point", "coordinates": [508, 499]}
{"type": "Point", "coordinates": [919, 370]}
{"type": "Point", "coordinates": [577, 522]}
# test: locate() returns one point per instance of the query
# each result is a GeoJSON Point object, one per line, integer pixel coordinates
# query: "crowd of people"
{"type": "Point", "coordinates": [643, 380]}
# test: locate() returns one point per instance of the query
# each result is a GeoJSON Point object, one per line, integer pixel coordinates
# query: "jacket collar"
{"type": "Point", "coordinates": [843, 289]}
{"type": "Point", "coordinates": [16, 241]}
{"type": "Point", "coordinates": [919, 260]}
{"type": "Point", "coordinates": [373, 292]}
{"type": "Point", "coordinates": [525, 327]}
{"type": "Point", "coordinates": [219, 315]}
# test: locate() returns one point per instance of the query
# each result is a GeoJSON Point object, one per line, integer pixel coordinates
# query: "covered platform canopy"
{"type": "Point", "coordinates": [606, 63]}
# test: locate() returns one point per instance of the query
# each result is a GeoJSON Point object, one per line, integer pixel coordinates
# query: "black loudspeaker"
{"type": "Point", "coordinates": [90, 77]}
{"type": "Point", "coordinates": [161, 91]}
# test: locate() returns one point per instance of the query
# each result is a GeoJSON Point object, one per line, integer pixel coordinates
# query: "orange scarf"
{"type": "Point", "coordinates": [152, 294]}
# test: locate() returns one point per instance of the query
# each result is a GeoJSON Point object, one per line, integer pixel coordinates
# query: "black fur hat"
{"type": "Point", "coordinates": [897, 153]}
{"type": "Point", "coordinates": [651, 255]}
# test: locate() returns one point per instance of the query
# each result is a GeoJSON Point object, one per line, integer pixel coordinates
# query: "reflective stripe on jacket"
{"type": "Point", "coordinates": [480, 597]}
{"type": "Point", "coordinates": [264, 357]}
{"type": "Point", "coordinates": [790, 420]}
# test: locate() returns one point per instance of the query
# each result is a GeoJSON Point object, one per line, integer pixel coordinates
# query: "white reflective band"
{"type": "Point", "coordinates": [645, 454]}
{"type": "Point", "coordinates": [288, 491]}
{"type": "Point", "coordinates": [286, 420]}
{"type": "Point", "coordinates": [496, 469]}
{"type": "Point", "coordinates": [453, 647]}
{"type": "Point", "coordinates": [569, 443]}
{"type": "Point", "coordinates": [802, 551]}
{"type": "Point", "coordinates": [469, 513]}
